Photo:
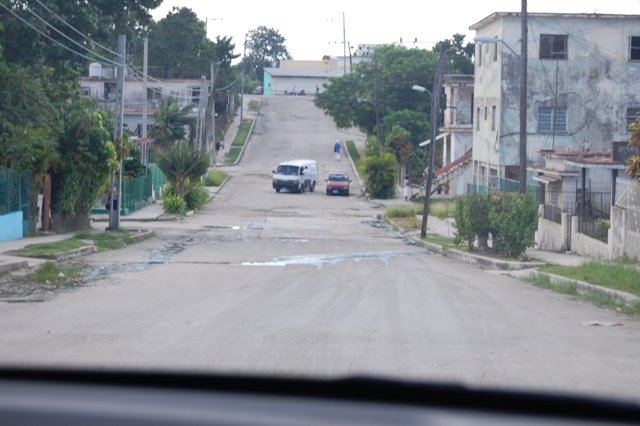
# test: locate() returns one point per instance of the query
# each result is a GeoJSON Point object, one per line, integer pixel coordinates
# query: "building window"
{"type": "Point", "coordinates": [495, 52]}
{"type": "Point", "coordinates": [553, 46]}
{"type": "Point", "coordinates": [86, 91]}
{"type": "Point", "coordinates": [548, 122]}
{"type": "Point", "coordinates": [632, 115]}
{"type": "Point", "coordinates": [478, 118]}
{"type": "Point", "coordinates": [493, 117]}
{"type": "Point", "coordinates": [479, 54]}
{"type": "Point", "coordinates": [485, 113]}
{"type": "Point", "coordinates": [195, 95]}
{"type": "Point", "coordinates": [634, 48]}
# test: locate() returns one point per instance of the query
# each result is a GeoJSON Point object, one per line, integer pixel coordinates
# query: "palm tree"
{"type": "Point", "coordinates": [170, 122]}
{"type": "Point", "coordinates": [184, 166]}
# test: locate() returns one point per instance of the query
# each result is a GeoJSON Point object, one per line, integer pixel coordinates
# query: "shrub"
{"type": "Point", "coordinates": [197, 198]}
{"type": "Point", "coordinates": [513, 220]}
{"type": "Point", "coordinates": [464, 231]}
{"type": "Point", "coordinates": [173, 203]}
{"type": "Point", "coordinates": [380, 171]}
{"type": "Point", "coordinates": [509, 217]}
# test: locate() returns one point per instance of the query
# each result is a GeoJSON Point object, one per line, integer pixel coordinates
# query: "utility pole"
{"type": "Point", "coordinates": [244, 70]}
{"type": "Point", "coordinates": [377, 103]}
{"type": "Point", "coordinates": [145, 110]}
{"type": "Point", "coordinates": [114, 214]}
{"type": "Point", "coordinates": [523, 99]}
{"type": "Point", "coordinates": [344, 44]}
{"type": "Point", "coordinates": [212, 137]}
{"type": "Point", "coordinates": [202, 105]}
{"type": "Point", "coordinates": [435, 116]}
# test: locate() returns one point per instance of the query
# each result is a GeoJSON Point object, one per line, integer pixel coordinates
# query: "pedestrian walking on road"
{"type": "Point", "coordinates": [307, 179]}
{"type": "Point", "coordinates": [407, 189]}
{"type": "Point", "coordinates": [336, 150]}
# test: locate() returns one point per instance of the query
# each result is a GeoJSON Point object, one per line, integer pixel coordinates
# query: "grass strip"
{"type": "Point", "coordinates": [243, 133]}
{"type": "Point", "coordinates": [353, 151]}
{"type": "Point", "coordinates": [617, 276]}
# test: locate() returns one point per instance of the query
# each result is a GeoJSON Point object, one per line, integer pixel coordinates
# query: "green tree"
{"type": "Point", "coordinates": [398, 140]}
{"type": "Point", "coordinates": [633, 162]}
{"type": "Point", "coordinates": [87, 157]}
{"type": "Point", "coordinates": [380, 175]}
{"type": "Point", "coordinates": [266, 48]}
{"type": "Point", "coordinates": [101, 20]}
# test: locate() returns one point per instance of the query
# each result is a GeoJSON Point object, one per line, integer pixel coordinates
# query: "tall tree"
{"type": "Point", "coordinates": [266, 48]}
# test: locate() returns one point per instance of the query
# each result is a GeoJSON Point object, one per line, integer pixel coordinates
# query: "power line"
{"type": "Point", "coordinates": [46, 35]}
{"type": "Point", "coordinates": [64, 35]}
{"type": "Point", "coordinates": [76, 30]}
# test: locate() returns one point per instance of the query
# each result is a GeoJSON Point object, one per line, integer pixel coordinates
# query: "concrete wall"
{"type": "Point", "coordinates": [586, 246]}
{"type": "Point", "coordinates": [551, 235]}
{"type": "Point", "coordinates": [11, 226]}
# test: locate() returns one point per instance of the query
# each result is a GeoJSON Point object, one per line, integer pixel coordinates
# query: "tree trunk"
{"type": "Point", "coordinates": [70, 222]}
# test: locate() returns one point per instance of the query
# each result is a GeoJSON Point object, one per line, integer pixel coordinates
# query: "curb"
{"type": "Point", "coordinates": [5, 268]}
{"type": "Point", "coordinates": [66, 255]}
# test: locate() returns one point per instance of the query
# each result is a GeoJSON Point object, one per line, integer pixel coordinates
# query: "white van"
{"type": "Point", "coordinates": [288, 175]}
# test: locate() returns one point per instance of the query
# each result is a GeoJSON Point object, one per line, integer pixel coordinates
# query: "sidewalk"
{"type": "Point", "coordinates": [233, 128]}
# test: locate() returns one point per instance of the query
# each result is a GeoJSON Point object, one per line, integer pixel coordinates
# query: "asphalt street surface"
{"type": "Point", "coordinates": [296, 284]}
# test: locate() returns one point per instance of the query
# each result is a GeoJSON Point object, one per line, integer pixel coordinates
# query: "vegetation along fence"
{"type": "Point", "coordinates": [497, 184]}
{"type": "Point", "coordinates": [15, 195]}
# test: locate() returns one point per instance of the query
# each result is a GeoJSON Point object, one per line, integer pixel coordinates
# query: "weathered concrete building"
{"type": "Point", "coordinates": [100, 84]}
{"type": "Point", "coordinates": [456, 133]}
{"type": "Point", "coordinates": [583, 88]}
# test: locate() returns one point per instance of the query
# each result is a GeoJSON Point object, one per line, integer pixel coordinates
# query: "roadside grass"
{"type": "Point", "coordinates": [408, 224]}
{"type": "Point", "coordinates": [441, 208]}
{"type": "Point", "coordinates": [50, 273]}
{"type": "Point", "coordinates": [400, 210]}
{"type": "Point", "coordinates": [617, 276]}
{"type": "Point", "coordinates": [353, 151]}
{"type": "Point", "coordinates": [108, 240]}
{"type": "Point", "coordinates": [254, 105]}
{"type": "Point", "coordinates": [232, 155]}
{"type": "Point", "coordinates": [215, 177]}
{"type": "Point", "coordinates": [440, 240]}
{"type": "Point", "coordinates": [243, 133]}
{"type": "Point", "coordinates": [46, 249]}
{"type": "Point", "coordinates": [598, 299]}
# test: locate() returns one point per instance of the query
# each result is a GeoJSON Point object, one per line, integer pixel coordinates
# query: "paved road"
{"type": "Point", "coordinates": [300, 284]}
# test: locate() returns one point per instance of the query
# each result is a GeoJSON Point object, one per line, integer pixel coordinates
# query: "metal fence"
{"type": "Point", "coordinates": [552, 213]}
{"type": "Point", "coordinates": [15, 195]}
{"type": "Point", "coordinates": [498, 184]}
{"type": "Point", "coordinates": [594, 228]}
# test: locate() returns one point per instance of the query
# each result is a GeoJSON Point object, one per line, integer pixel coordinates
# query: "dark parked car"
{"type": "Point", "coordinates": [338, 183]}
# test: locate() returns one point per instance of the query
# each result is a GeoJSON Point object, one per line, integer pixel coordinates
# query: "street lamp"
{"type": "Point", "coordinates": [522, 177]}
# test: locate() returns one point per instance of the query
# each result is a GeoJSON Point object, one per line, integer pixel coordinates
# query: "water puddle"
{"type": "Point", "coordinates": [319, 260]}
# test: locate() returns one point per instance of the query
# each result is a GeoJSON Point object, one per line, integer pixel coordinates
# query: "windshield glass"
{"type": "Point", "coordinates": [287, 170]}
{"type": "Point", "coordinates": [484, 229]}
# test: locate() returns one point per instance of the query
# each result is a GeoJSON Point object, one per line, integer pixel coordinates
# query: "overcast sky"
{"type": "Point", "coordinates": [315, 28]}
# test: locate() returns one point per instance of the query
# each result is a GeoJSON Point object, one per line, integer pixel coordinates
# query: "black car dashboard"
{"type": "Point", "coordinates": [46, 397]}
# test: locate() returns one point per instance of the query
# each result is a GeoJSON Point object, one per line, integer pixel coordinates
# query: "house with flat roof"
{"type": "Point", "coordinates": [583, 90]}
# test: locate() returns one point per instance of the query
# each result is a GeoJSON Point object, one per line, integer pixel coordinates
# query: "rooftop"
{"type": "Point", "coordinates": [501, 15]}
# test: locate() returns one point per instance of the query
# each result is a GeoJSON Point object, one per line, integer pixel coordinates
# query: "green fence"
{"type": "Point", "coordinates": [15, 195]}
{"type": "Point", "coordinates": [140, 191]}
